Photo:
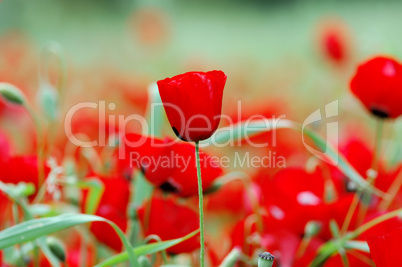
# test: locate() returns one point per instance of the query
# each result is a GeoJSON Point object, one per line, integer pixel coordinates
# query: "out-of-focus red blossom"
{"type": "Point", "coordinates": [381, 228]}
{"type": "Point", "coordinates": [230, 198]}
{"type": "Point", "coordinates": [378, 85]}
{"type": "Point", "coordinates": [133, 90]}
{"type": "Point", "coordinates": [21, 169]}
{"type": "Point", "coordinates": [355, 261]}
{"type": "Point", "coordinates": [294, 197]}
{"type": "Point", "coordinates": [165, 164]}
{"type": "Point", "coordinates": [360, 156]}
{"type": "Point", "coordinates": [103, 231]}
{"type": "Point", "coordinates": [295, 194]}
{"type": "Point", "coordinates": [334, 44]}
{"type": "Point", "coordinates": [385, 248]}
{"type": "Point", "coordinates": [279, 141]}
{"type": "Point", "coordinates": [193, 103]}
{"type": "Point", "coordinates": [74, 257]}
{"type": "Point", "coordinates": [150, 26]}
{"type": "Point", "coordinates": [144, 152]}
{"type": "Point", "coordinates": [183, 180]}
{"type": "Point", "coordinates": [4, 148]}
{"type": "Point", "coordinates": [88, 127]}
{"type": "Point", "coordinates": [170, 220]}
{"type": "Point", "coordinates": [274, 238]}
{"type": "Point", "coordinates": [113, 206]}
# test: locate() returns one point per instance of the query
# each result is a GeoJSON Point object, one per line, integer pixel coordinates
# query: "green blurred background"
{"type": "Point", "coordinates": [267, 48]}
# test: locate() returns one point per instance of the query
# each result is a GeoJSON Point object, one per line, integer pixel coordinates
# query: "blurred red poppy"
{"type": "Point", "coordinates": [193, 103]}
{"type": "Point", "coordinates": [385, 248]}
{"type": "Point", "coordinates": [146, 153]}
{"type": "Point", "coordinates": [378, 85]}
{"type": "Point", "coordinates": [169, 220]}
{"type": "Point", "coordinates": [21, 169]}
{"type": "Point", "coordinates": [113, 206]}
{"type": "Point", "coordinates": [169, 165]}
{"type": "Point", "coordinates": [183, 180]}
{"type": "Point", "coordinates": [104, 232]}
{"type": "Point", "coordinates": [4, 148]}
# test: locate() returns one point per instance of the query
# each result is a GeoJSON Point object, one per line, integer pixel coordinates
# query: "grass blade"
{"type": "Point", "coordinates": [145, 250]}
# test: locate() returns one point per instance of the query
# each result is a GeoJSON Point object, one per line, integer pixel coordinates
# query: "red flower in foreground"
{"type": "Point", "coordinates": [385, 249]}
{"type": "Point", "coordinates": [169, 220]}
{"type": "Point", "coordinates": [193, 103]}
{"type": "Point", "coordinates": [378, 85]}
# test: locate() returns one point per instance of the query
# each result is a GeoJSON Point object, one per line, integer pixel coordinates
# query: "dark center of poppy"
{"type": "Point", "coordinates": [168, 187]}
{"type": "Point", "coordinates": [379, 113]}
{"type": "Point", "coordinates": [178, 134]}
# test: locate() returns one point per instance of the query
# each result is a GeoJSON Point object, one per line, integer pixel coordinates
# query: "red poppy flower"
{"type": "Point", "coordinates": [183, 180]}
{"type": "Point", "coordinates": [104, 232]}
{"type": "Point", "coordinates": [170, 166]}
{"type": "Point", "coordinates": [113, 206]}
{"type": "Point", "coordinates": [385, 249]}
{"type": "Point", "coordinates": [334, 45]}
{"type": "Point", "coordinates": [4, 148]}
{"type": "Point", "coordinates": [378, 85]}
{"type": "Point", "coordinates": [170, 220]}
{"type": "Point", "coordinates": [193, 103]}
{"type": "Point", "coordinates": [273, 237]}
{"type": "Point", "coordinates": [146, 153]}
{"type": "Point", "coordinates": [21, 169]}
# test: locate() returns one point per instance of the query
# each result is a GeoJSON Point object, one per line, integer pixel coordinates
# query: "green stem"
{"type": "Point", "coordinates": [366, 196]}
{"type": "Point", "coordinates": [360, 194]}
{"type": "Point", "coordinates": [200, 204]}
{"type": "Point", "coordinates": [40, 144]}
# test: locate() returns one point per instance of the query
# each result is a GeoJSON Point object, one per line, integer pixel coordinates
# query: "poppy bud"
{"type": "Point", "coordinates": [57, 248]}
{"type": "Point", "coordinates": [312, 228]}
{"type": "Point", "coordinates": [144, 261]}
{"type": "Point", "coordinates": [12, 94]}
{"type": "Point", "coordinates": [193, 103]}
{"type": "Point", "coordinates": [265, 259]}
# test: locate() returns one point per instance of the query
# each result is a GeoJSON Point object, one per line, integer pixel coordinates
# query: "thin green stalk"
{"type": "Point", "coordinates": [360, 194]}
{"type": "Point", "coordinates": [200, 204]}
{"type": "Point", "coordinates": [40, 144]}
{"type": "Point", "coordinates": [366, 196]}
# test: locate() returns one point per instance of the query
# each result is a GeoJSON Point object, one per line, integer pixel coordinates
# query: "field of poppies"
{"type": "Point", "coordinates": [179, 134]}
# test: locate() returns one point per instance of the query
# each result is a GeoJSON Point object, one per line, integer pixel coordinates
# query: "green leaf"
{"type": "Point", "coordinates": [35, 228]}
{"type": "Point", "coordinates": [142, 188]}
{"type": "Point", "coordinates": [145, 250]}
{"type": "Point", "coordinates": [357, 245]}
{"type": "Point", "coordinates": [333, 226]}
{"type": "Point", "coordinates": [324, 252]}
{"type": "Point", "coordinates": [12, 94]}
{"type": "Point", "coordinates": [231, 259]}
